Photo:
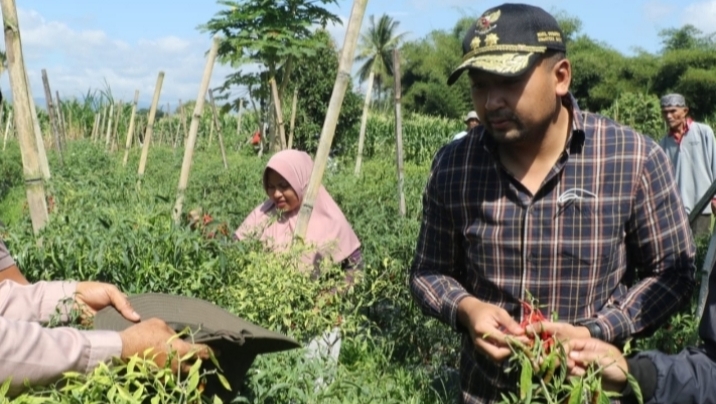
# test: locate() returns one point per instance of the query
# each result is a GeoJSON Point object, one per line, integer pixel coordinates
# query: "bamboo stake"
{"type": "Point", "coordinates": [364, 122]}
{"type": "Point", "coordinates": [130, 131]}
{"type": "Point", "coordinates": [193, 129]}
{"type": "Point", "coordinates": [183, 120]}
{"type": "Point", "coordinates": [110, 116]}
{"type": "Point", "coordinates": [113, 136]}
{"type": "Point", "coordinates": [293, 118]}
{"type": "Point", "coordinates": [238, 120]}
{"type": "Point", "coordinates": [7, 129]}
{"type": "Point", "coordinates": [211, 131]}
{"type": "Point", "coordinates": [334, 109]}
{"type": "Point", "coordinates": [398, 132]}
{"type": "Point", "coordinates": [32, 170]}
{"type": "Point", "coordinates": [51, 114]}
{"type": "Point", "coordinates": [44, 163]}
{"type": "Point", "coordinates": [102, 121]}
{"type": "Point", "coordinates": [61, 117]}
{"type": "Point", "coordinates": [261, 143]}
{"type": "Point", "coordinates": [218, 128]}
{"type": "Point", "coordinates": [150, 124]}
{"type": "Point", "coordinates": [279, 114]}
{"type": "Point", "coordinates": [94, 125]}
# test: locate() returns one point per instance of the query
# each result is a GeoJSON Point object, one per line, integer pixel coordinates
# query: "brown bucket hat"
{"type": "Point", "coordinates": [237, 341]}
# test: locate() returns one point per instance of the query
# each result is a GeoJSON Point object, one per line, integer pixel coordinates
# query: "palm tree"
{"type": "Point", "coordinates": [376, 52]}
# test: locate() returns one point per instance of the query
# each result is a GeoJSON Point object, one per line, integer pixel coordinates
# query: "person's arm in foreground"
{"type": "Point", "coordinates": [29, 352]}
{"type": "Point", "coordinates": [684, 378]}
{"type": "Point", "coordinates": [434, 284]}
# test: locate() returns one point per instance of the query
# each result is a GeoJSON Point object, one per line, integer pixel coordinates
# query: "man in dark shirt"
{"type": "Point", "coordinates": [547, 201]}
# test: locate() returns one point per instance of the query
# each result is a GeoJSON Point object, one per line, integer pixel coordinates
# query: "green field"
{"type": "Point", "coordinates": [105, 227]}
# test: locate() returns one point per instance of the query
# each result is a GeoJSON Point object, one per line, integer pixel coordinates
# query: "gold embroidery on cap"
{"type": "Point", "coordinates": [475, 43]}
{"type": "Point", "coordinates": [505, 63]}
{"type": "Point", "coordinates": [549, 36]}
{"type": "Point", "coordinates": [486, 23]}
{"type": "Point", "coordinates": [491, 40]}
{"type": "Point", "coordinates": [504, 48]}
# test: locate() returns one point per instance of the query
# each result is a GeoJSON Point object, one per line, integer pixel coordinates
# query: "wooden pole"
{"type": "Point", "coordinates": [44, 164]}
{"type": "Point", "coordinates": [7, 130]}
{"type": "Point", "coordinates": [61, 118]}
{"type": "Point", "coordinates": [398, 132]}
{"type": "Point", "coordinates": [364, 122]}
{"type": "Point", "coordinates": [110, 116]}
{"type": "Point", "coordinates": [32, 171]}
{"type": "Point", "coordinates": [130, 131]}
{"type": "Point", "coordinates": [279, 115]}
{"type": "Point", "coordinates": [95, 123]}
{"type": "Point", "coordinates": [51, 114]}
{"type": "Point", "coordinates": [238, 120]}
{"type": "Point", "coordinates": [113, 135]}
{"type": "Point", "coordinates": [193, 129]}
{"type": "Point", "coordinates": [211, 131]}
{"type": "Point", "coordinates": [183, 120]}
{"type": "Point", "coordinates": [150, 124]}
{"type": "Point", "coordinates": [292, 124]}
{"type": "Point", "coordinates": [334, 109]}
{"type": "Point", "coordinates": [218, 128]}
{"type": "Point", "coordinates": [102, 121]}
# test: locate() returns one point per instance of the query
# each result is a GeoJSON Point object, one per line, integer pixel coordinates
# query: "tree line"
{"type": "Point", "coordinates": [285, 41]}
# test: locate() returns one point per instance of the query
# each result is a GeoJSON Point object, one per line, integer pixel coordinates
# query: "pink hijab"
{"type": "Point", "coordinates": [328, 229]}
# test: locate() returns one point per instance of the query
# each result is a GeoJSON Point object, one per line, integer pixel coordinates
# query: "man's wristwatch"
{"type": "Point", "coordinates": [595, 331]}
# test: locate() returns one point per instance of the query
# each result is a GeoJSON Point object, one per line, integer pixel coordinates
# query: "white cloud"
{"type": "Point", "coordinates": [79, 60]}
{"type": "Point", "coordinates": [702, 15]}
{"type": "Point", "coordinates": [655, 10]}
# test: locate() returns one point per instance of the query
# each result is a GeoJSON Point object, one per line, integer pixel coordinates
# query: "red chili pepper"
{"type": "Point", "coordinates": [532, 316]}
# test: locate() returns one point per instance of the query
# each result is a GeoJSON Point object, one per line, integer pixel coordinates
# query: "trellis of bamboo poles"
{"type": "Point", "coordinates": [150, 124]}
{"type": "Point", "coordinates": [193, 129]}
{"type": "Point", "coordinates": [215, 117]}
{"type": "Point", "coordinates": [32, 170]}
{"type": "Point", "coordinates": [329, 124]}
{"type": "Point", "coordinates": [130, 130]}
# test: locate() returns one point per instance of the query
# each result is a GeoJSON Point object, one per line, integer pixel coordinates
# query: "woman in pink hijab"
{"type": "Point", "coordinates": [285, 181]}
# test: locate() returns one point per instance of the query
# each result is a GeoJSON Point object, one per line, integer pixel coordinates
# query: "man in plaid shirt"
{"type": "Point", "coordinates": [544, 199]}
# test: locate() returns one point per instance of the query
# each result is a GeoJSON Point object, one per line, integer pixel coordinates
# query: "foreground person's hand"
{"type": "Point", "coordinates": [155, 334]}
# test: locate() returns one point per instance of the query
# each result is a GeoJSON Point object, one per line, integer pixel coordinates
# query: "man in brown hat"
{"type": "Point", "coordinates": [691, 148]}
{"type": "Point", "coordinates": [548, 201]}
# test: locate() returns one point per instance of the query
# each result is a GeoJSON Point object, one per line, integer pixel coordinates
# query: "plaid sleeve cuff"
{"type": "Point", "coordinates": [615, 325]}
{"type": "Point", "coordinates": [449, 307]}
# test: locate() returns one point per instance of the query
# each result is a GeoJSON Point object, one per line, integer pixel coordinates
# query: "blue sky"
{"type": "Point", "coordinates": [84, 44]}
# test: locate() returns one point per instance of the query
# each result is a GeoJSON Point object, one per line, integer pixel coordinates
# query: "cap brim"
{"type": "Point", "coordinates": [198, 315]}
{"type": "Point", "coordinates": [508, 64]}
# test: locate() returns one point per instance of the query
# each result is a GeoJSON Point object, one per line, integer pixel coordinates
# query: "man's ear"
{"type": "Point", "coordinates": [686, 111]}
{"type": "Point", "coordinates": [562, 71]}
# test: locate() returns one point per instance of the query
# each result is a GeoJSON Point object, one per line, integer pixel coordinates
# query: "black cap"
{"type": "Point", "coordinates": [508, 39]}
